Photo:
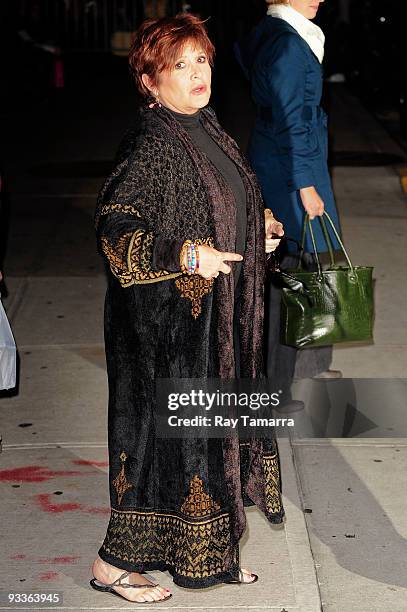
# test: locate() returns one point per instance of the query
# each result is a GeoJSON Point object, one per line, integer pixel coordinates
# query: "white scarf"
{"type": "Point", "coordinates": [310, 32]}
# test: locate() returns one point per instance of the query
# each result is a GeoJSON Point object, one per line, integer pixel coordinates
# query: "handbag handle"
{"type": "Point", "coordinates": [327, 240]}
{"type": "Point", "coordinates": [307, 221]}
{"type": "Point", "coordinates": [326, 236]}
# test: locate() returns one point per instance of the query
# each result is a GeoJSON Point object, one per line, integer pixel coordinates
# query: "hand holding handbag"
{"type": "Point", "coordinates": [327, 306]}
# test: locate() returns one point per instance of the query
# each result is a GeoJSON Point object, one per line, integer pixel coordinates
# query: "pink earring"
{"type": "Point", "coordinates": [157, 101]}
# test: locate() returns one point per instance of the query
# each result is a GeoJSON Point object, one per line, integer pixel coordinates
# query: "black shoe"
{"type": "Point", "coordinates": [290, 406]}
{"type": "Point", "coordinates": [328, 375]}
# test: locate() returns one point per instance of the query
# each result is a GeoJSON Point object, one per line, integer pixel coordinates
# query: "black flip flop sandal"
{"type": "Point", "coordinates": [241, 581]}
{"type": "Point", "coordinates": [108, 588]}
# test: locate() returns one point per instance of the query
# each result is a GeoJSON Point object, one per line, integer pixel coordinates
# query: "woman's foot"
{"type": "Point", "coordinates": [244, 577]}
{"type": "Point", "coordinates": [106, 573]}
{"type": "Point", "coordinates": [248, 576]}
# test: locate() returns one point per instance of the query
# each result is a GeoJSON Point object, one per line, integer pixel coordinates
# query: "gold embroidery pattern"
{"type": "Point", "coordinates": [146, 252]}
{"type": "Point", "coordinates": [117, 257]}
{"type": "Point", "coordinates": [198, 503]}
{"type": "Point", "coordinates": [121, 483]}
{"type": "Point", "coordinates": [135, 250]}
{"type": "Point", "coordinates": [272, 483]}
{"type": "Point", "coordinates": [196, 549]}
{"type": "Point", "coordinates": [194, 288]}
{"type": "Point", "coordinates": [126, 209]}
{"type": "Point", "coordinates": [139, 257]}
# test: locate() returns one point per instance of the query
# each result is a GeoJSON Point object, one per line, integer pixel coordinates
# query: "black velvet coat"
{"type": "Point", "coordinates": [178, 504]}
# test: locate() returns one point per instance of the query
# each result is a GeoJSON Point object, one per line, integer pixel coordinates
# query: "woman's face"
{"type": "Point", "coordinates": [308, 8]}
{"type": "Point", "coordinates": [186, 87]}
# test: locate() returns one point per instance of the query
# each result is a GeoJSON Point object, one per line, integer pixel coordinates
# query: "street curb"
{"type": "Point", "coordinates": [305, 581]}
{"type": "Point", "coordinates": [16, 298]}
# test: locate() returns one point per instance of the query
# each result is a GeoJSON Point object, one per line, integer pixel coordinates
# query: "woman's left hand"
{"type": "Point", "coordinates": [273, 228]}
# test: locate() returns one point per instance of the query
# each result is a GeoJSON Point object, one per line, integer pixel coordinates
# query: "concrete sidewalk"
{"type": "Point", "coordinates": [54, 462]}
{"type": "Point", "coordinates": [354, 488]}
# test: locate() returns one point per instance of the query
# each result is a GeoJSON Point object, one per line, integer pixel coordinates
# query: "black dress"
{"type": "Point", "coordinates": [229, 171]}
{"type": "Point", "coordinates": [206, 144]}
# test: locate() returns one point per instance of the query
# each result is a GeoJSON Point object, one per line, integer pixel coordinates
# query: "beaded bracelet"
{"type": "Point", "coordinates": [191, 260]}
{"type": "Point", "coordinates": [192, 252]}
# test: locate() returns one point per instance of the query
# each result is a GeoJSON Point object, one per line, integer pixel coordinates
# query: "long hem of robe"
{"type": "Point", "coordinates": [192, 577]}
{"type": "Point", "coordinates": [180, 579]}
{"type": "Point", "coordinates": [198, 551]}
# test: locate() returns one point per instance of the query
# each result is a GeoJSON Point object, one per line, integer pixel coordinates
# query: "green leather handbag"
{"type": "Point", "coordinates": [326, 306]}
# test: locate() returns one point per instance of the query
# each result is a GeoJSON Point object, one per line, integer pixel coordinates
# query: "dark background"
{"type": "Point", "coordinates": [366, 41]}
{"type": "Point", "coordinates": [81, 72]}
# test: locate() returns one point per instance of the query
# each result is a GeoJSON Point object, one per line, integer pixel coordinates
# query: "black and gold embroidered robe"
{"type": "Point", "coordinates": [178, 504]}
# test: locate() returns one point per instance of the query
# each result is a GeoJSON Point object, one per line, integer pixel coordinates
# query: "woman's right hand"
{"type": "Point", "coordinates": [312, 202]}
{"type": "Point", "coordinates": [212, 261]}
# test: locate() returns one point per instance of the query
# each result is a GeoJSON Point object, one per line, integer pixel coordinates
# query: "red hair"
{"type": "Point", "coordinates": [158, 43]}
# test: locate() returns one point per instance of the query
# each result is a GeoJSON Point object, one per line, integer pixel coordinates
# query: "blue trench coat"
{"type": "Point", "coordinates": [288, 147]}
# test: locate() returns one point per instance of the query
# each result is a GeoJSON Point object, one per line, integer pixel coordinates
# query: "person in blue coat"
{"type": "Point", "coordinates": [288, 149]}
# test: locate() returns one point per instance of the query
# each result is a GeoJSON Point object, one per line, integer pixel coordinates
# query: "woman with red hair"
{"type": "Point", "coordinates": [182, 228]}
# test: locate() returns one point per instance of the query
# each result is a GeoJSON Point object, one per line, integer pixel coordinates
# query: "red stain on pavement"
{"type": "Point", "coordinates": [34, 473]}
{"type": "Point", "coordinates": [48, 576]}
{"type": "Point", "coordinates": [44, 501]}
{"type": "Point", "coordinates": [98, 510]}
{"type": "Point", "coordinates": [18, 557]}
{"type": "Point", "coordinates": [61, 560]}
{"type": "Point", "coordinates": [93, 463]}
